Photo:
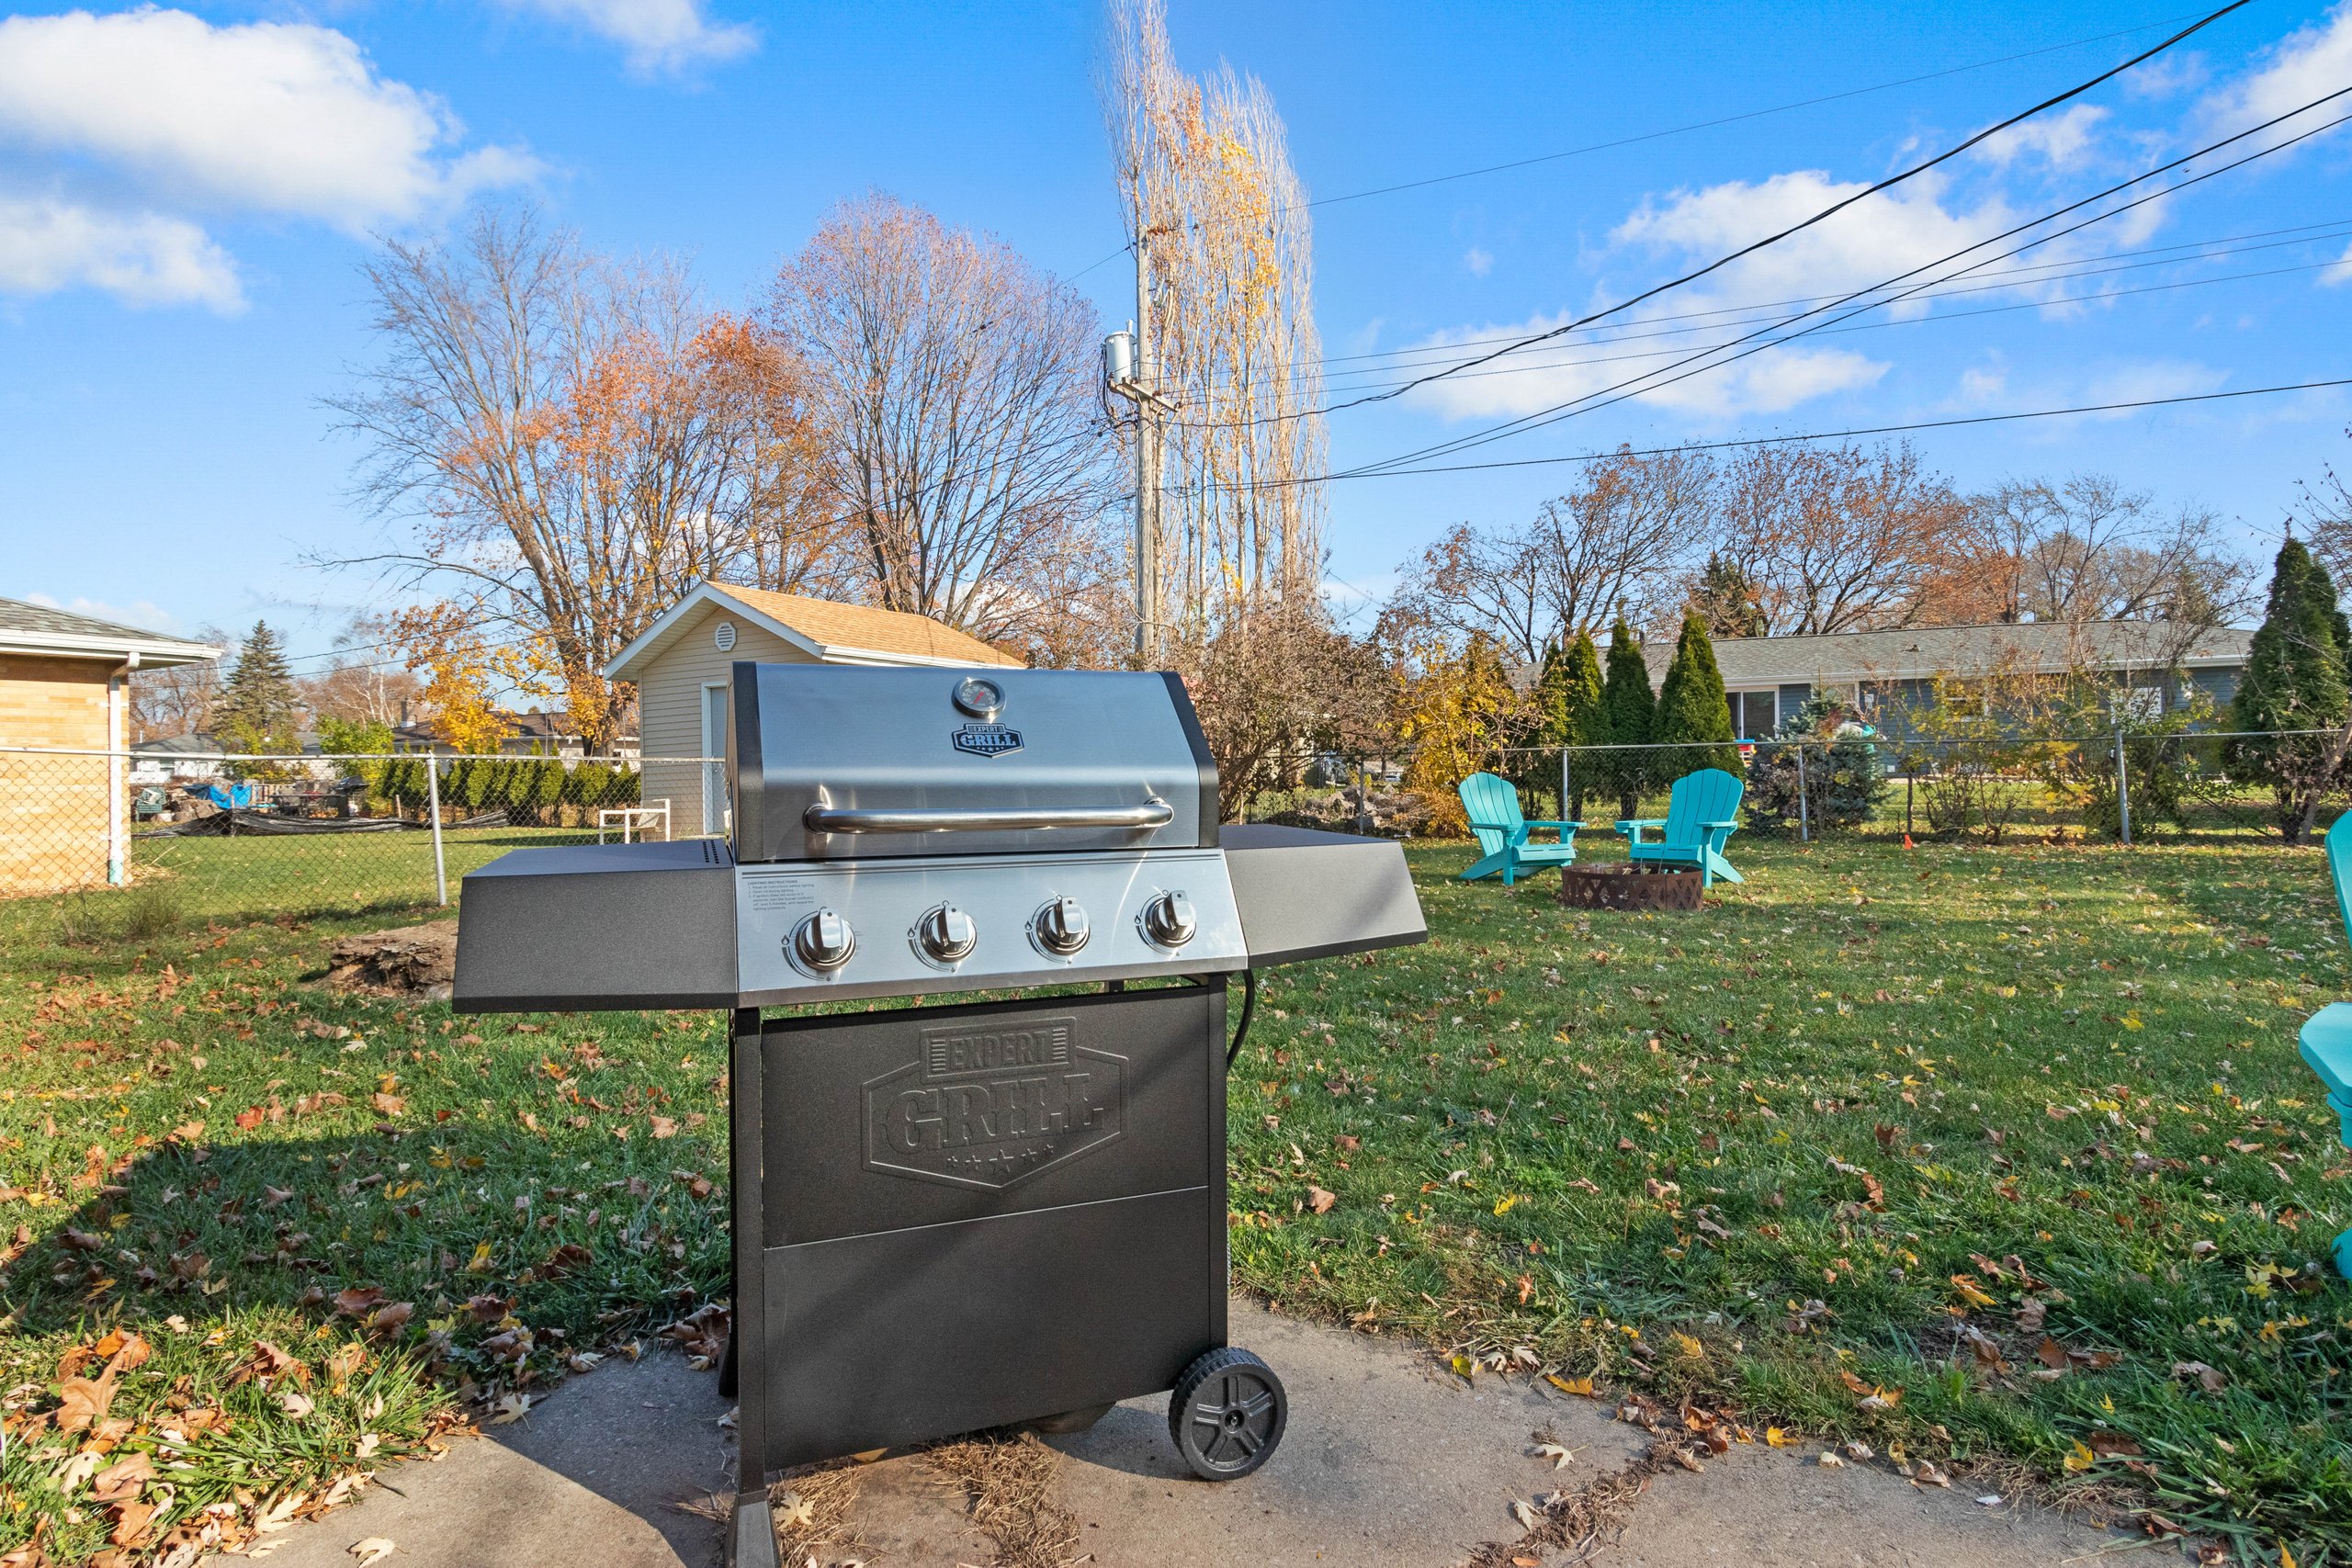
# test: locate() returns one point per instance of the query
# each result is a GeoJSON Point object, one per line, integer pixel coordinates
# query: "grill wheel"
{"type": "Point", "coordinates": [1226, 1413]}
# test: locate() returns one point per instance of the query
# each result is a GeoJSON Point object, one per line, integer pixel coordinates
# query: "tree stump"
{"type": "Point", "coordinates": [419, 961]}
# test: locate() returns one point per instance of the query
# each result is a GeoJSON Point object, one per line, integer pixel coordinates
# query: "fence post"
{"type": "Point", "coordinates": [432, 805]}
{"type": "Point", "coordinates": [1563, 781]}
{"type": "Point", "coordinates": [2122, 785]}
{"type": "Point", "coordinates": [1363, 800]}
{"type": "Point", "coordinates": [1804, 807]}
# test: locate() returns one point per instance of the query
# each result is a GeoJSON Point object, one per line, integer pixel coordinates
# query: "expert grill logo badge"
{"type": "Point", "coordinates": [986, 1105]}
{"type": "Point", "coordinates": [985, 739]}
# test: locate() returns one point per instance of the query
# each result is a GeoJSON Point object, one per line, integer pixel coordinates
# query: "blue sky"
{"type": "Point", "coordinates": [186, 195]}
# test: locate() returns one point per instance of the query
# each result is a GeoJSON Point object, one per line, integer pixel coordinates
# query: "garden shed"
{"type": "Point", "coordinates": [680, 663]}
{"type": "Point", "coordinates": [64, 732]}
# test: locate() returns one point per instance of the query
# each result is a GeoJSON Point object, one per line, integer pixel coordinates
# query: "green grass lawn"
{"type": "Point", "coordinates": [1997, 1157]}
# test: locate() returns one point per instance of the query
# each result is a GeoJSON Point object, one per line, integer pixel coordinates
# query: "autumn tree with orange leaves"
{"type": "Point", "coordinates": [565, 443]}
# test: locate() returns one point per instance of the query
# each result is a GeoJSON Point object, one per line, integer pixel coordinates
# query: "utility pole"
{"type": "Point", "coordinates": [1129, 371]}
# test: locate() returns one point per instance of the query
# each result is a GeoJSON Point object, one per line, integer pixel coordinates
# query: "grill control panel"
{"type": "Point", "coordinates": [958, 923]}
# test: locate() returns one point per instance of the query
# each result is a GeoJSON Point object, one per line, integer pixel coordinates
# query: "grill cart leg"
{"type": "Point", "coordinates": [750, 1534]}
{"type": "Point", "coordinates": [751, 1540]}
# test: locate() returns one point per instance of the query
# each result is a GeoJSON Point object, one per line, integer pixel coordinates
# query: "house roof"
{"type": "Point", "coordinates": [1919, 652]}
{"type": "Point", "coordinates": [61, 634]}
{"type": "Point", "coordinates": [824, 629]}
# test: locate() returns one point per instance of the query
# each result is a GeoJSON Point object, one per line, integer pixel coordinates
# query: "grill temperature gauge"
{"type": "Point", "coordinates": [824, 941]}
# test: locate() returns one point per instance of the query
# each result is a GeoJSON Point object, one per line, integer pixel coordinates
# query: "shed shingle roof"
{"type": "Point", "coordinates": [1917, 652]}
{"type": "Point", "coordinates": [861, 626]}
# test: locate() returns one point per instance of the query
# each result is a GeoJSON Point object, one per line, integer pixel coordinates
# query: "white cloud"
{"type": "Point", "coordinates": [2145, 379]}
{"type": "Point", "coordinates": [665, 35]}
{"type": "Point", "coordinates": [2342, 271]}
{"type": "Point", "coordinates": [1983, 384]}
{"type": "Point", "coordinates": [274, 117]}
{"type": "Point", "coordinates": [1478, 262]}
{"type": "Point", "coordinates": [2062, 141]}
{"type": "Point", "coordinates": [142, 258]}
{"type": "Point", "coordinates": [2308, 63]}
{"type": "Point", "coordinates": [1873, 239]}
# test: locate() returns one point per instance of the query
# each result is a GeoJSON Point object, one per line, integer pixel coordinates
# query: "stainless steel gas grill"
{"type": "Point", "coordinates": [949, 1217]}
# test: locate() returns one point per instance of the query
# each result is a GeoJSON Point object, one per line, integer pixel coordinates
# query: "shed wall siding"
{"type": "Point", "coordinates": [53, 810]}
{"type": "Point", "coordinates": [669, 705]}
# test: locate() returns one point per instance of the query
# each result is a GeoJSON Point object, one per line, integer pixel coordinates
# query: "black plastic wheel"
{"type": "Point", "coordinates": [1068, 1421]}
{"type": "Point", "coordinates": [1226, 1413]}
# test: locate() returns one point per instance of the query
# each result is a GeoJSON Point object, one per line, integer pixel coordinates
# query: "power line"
{"type": "Point", "coordinates": [1736, 119]}
{"type": "Point", "coordinates": [1831, 211]}
{"type": "Point", "coordinates": [1696, 126]}
{"type": "Point", "coordinates": [2013, 279]}
{"type": "Point", "coordinates": [1782, 440]}
{"type": "Point", "coordinates": [1562, 411]}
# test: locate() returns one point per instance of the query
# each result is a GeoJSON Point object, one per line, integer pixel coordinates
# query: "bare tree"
{"type": "Point", "coordinates": [2086, 548]}
{"type": "Point", "coordinates": [1618, 540]}
{"type": "Point", "coordinates": [953, 390]}
{"type": "Point", "coordinates": [1837, 538]}
{"type": "Point", "coordinates": [177, 700]}
{"type": "Point", "coordinates": [1220, 220]}
{"type": "Point", "coordinates": [566, 440]}
{"type": "Point", "coordinates": [362, 682]}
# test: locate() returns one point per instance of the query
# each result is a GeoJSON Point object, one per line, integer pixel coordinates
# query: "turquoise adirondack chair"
{"type": "Point", "coordinates": [1702, 812]}
{"type": "Point", "coordinates": [1492, 807]}
{"type": "Point", "coordinates": [2326, 1039]}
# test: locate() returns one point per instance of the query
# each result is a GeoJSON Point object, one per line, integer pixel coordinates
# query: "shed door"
{"type": "Point", "coordinates": [715, 819]}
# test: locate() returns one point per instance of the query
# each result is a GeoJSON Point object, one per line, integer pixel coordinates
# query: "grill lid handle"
{"type": "Point", "coordinates": [821, 819]}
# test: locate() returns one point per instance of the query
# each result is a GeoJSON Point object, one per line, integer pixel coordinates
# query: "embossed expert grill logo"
{"type": "Point", "coordinates": [985, 1105]}
{"type": "Point", "coordinates": [986, 740]}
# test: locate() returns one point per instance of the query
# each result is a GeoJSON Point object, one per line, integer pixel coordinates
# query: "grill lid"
{"type": "Point", "coordinates": [839, 762]}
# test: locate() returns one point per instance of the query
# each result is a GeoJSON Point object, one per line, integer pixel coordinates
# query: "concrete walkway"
{"type": "Point", "coordinates": [1387, 1463]}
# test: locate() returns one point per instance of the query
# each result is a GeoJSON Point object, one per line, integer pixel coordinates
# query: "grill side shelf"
{"type": "Point", "coordinates": [599, 927]}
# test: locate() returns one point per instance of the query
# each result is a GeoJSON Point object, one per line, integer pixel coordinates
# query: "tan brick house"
{"type": "Point", "coordinates": [680, 663]}
{"type": "Point", "coordinates": [65, 703]}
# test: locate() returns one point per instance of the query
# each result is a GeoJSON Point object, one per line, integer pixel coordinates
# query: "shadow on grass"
{"type": "Point", "coordinates": [461, 1253]}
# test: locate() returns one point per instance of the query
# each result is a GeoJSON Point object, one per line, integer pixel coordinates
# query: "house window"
{"type": "Point", "coordinates": [1754, 714]}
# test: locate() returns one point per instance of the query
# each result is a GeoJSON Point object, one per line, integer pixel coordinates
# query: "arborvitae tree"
{"type": "Point", "coordinates": [1572, 713]}
{"type": "Point", "coordinates": [2295, 678]}
{"type": "Point", "coordinates": [1627, 716]}
{"type": "Point", "coordinates": [1692, 707]}
{"type": "Point", "coordinates": [256, 709]}
{"type": "Point", "coordinates": [1726, 599]}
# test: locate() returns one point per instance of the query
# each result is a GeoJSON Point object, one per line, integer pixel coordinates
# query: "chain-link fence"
{"type": "Point", "coordinates": [1990, 786]}
{"type": "Point", "coordinates": [229, 837]}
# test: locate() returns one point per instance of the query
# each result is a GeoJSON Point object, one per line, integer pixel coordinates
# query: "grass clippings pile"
{"type": "Point", "coordinates": [1005, 1482]}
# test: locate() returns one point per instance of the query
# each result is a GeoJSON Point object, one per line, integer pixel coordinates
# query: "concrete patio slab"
{"type": "Point", "coordinates": [1389, 1463]}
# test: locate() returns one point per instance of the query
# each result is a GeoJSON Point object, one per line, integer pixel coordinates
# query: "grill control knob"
{"type": "Point", "coordinates": [948, 934]}
{"type": "Point", "coordinates": [1061, 927]}
{"type": "Point", "coordinates": [824, 941]}
{"type": "Point", "coordinates": [1168, 920]}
